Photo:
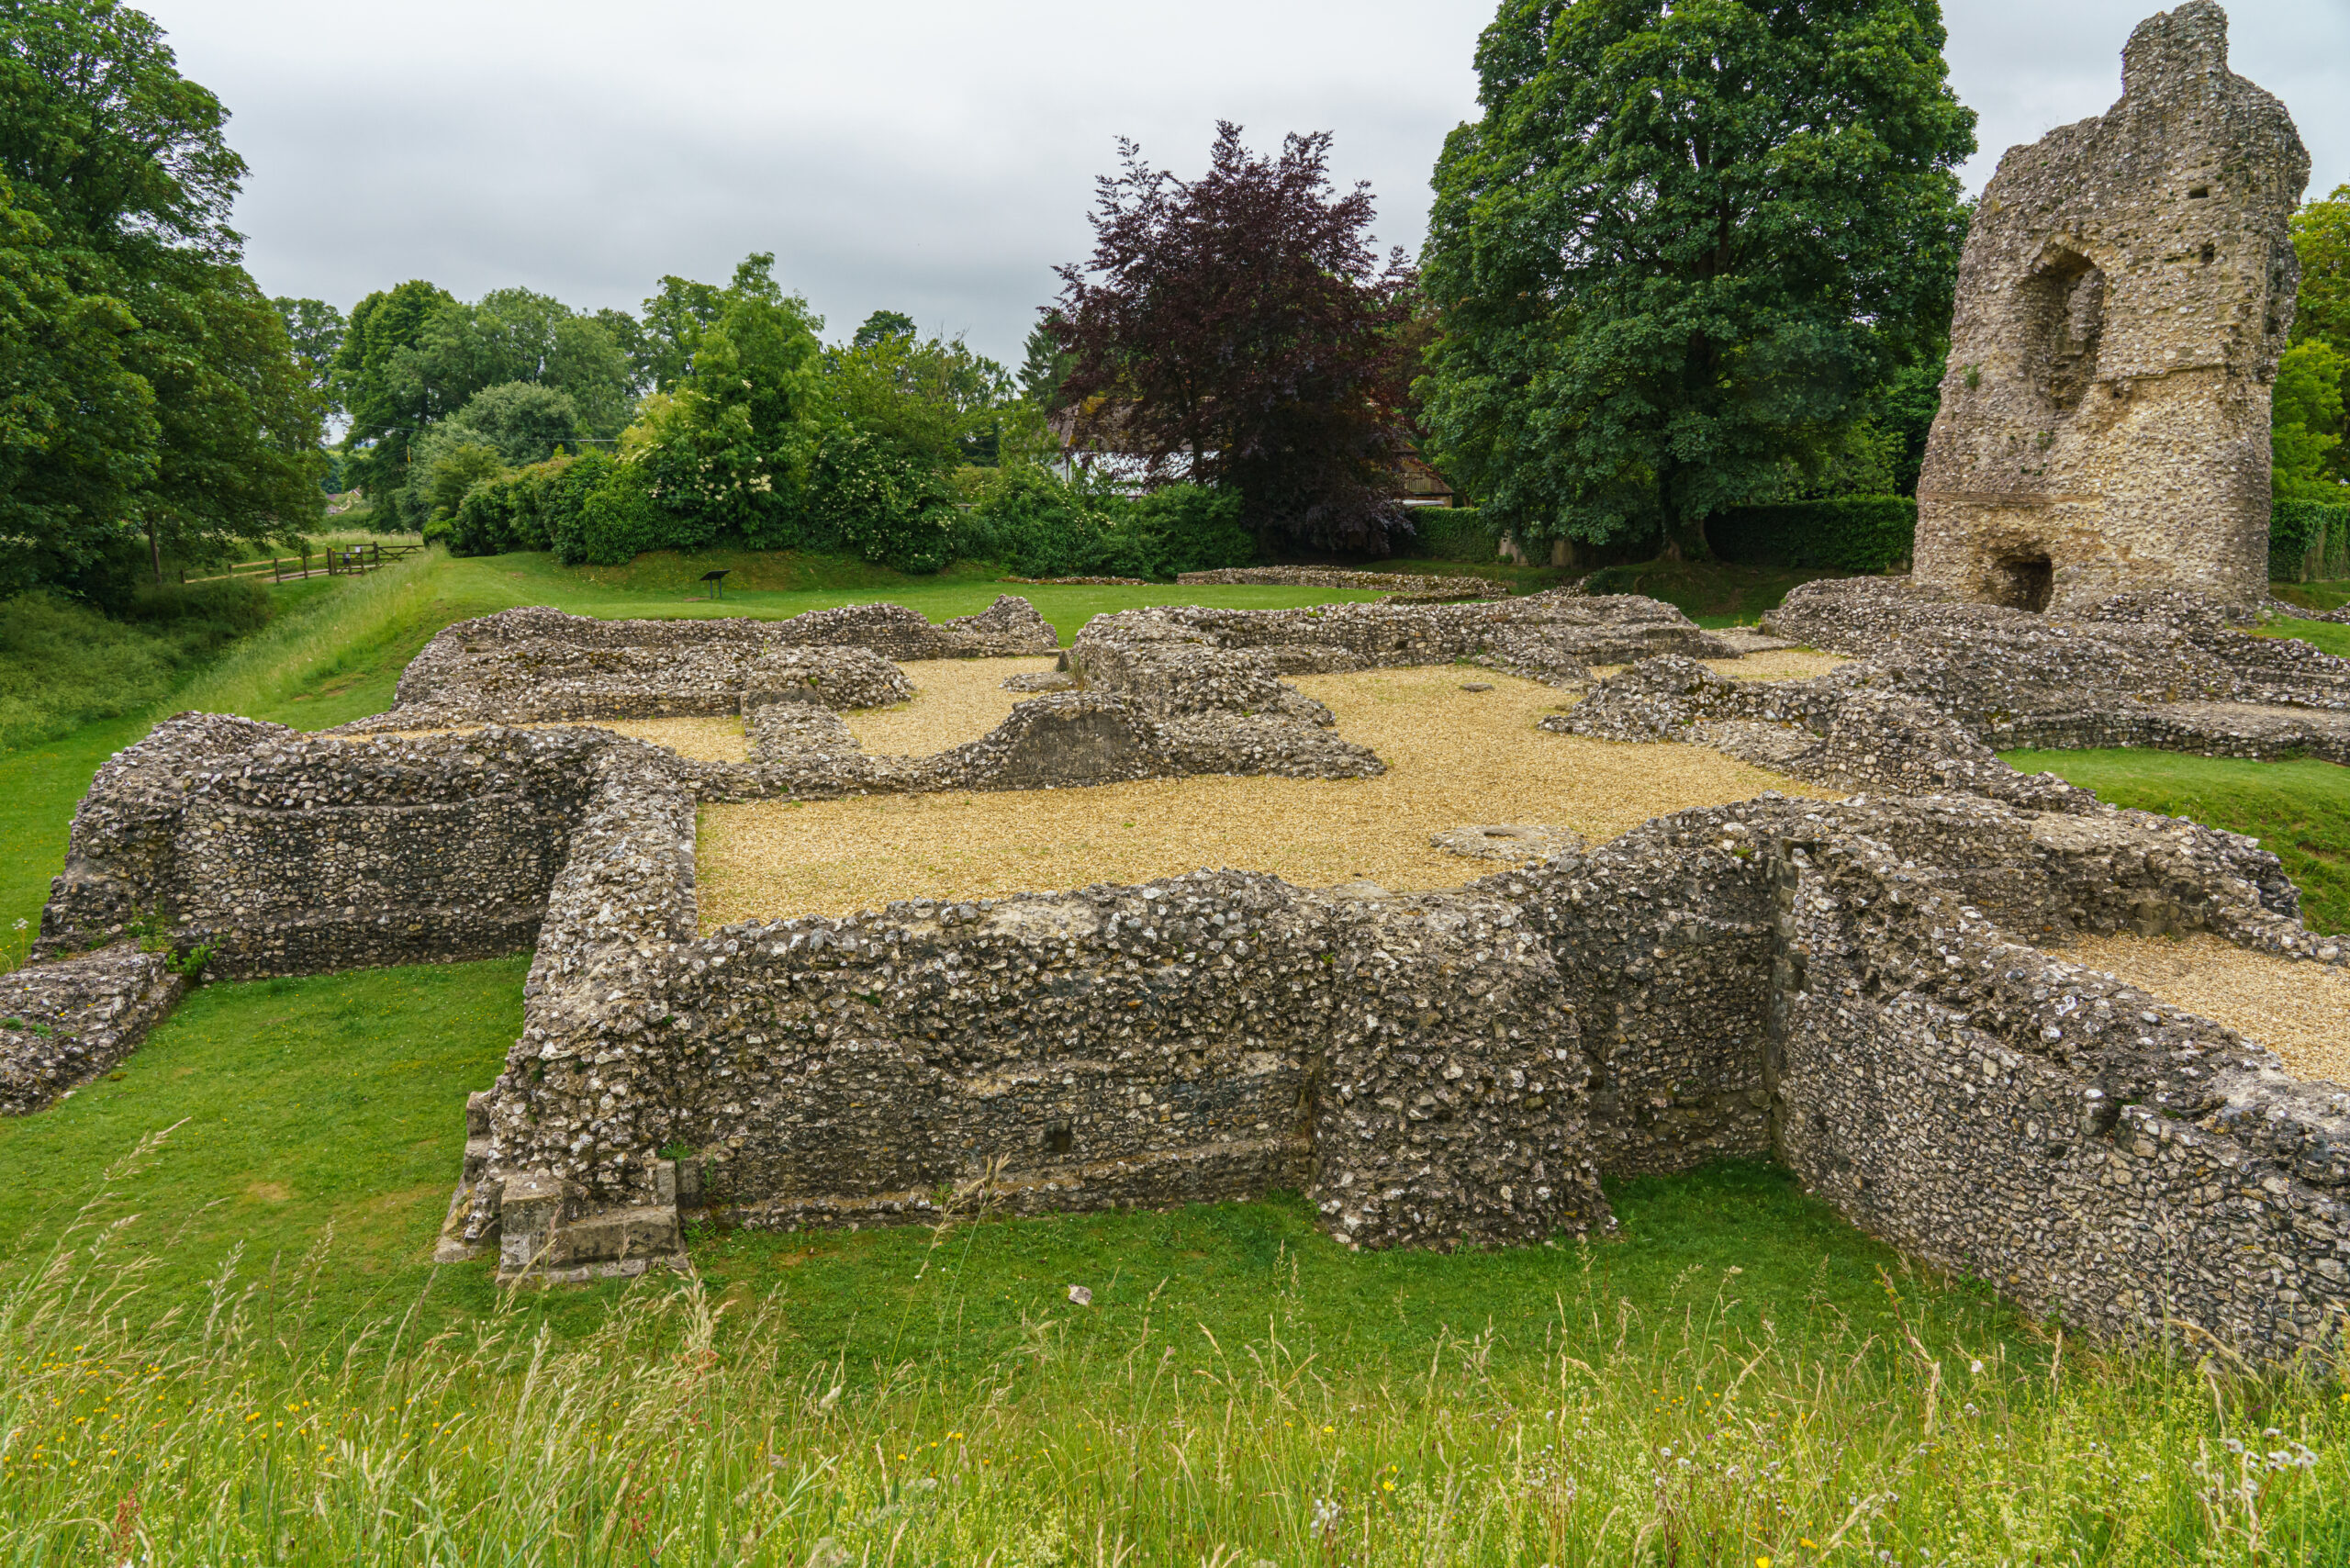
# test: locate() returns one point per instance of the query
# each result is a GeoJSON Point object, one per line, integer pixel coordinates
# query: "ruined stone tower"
{"type": "Point", "coordinates": [2123, 300]}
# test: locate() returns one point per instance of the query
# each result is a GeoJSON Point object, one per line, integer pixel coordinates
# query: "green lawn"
{"type": "Point", "coordinates": [234, 1348]}
{"type": "Point", "coordinates": [2299, 811]}
{"type": "Point", "coordinates": [2334, 637]}
{"type": "Point", "coordinates": [296, 1110]}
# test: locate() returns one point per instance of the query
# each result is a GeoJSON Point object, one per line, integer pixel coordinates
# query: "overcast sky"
{"type": "Point", "coordinates": [924, 155]}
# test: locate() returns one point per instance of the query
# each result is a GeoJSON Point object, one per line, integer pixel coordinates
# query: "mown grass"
{"type": "Point", "coordinates": [2323, 598]}
{"type": "Point", "coordinates": [2299, 811]}
{"type": "Point", "coordinates": [2332, 636]}
{"type": "Point", "coordinates": [1712, 593]}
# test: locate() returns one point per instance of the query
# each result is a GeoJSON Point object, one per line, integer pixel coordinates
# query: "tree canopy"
{"type": "Point", "coordinates": [671, 323]}
{"type": "Point", "coordinates": [881, 325]}
{"type": "Point", "coordinates": [931, 400]}
{"type": "Point", "coordinates": [413, 357]}
{"type": "Point", "coordinates": [2311, 463]}
{"type": "Point", "coordinates": [1238, 328]}
{"type": "Point", "coordinates": [150, 390]}
{"type": "Point", "coordinates": [1684, 243]}
{"type": "Point", "coordinates": [315, 329]}
{"type": "Point", "coordinates": [1044, 365]}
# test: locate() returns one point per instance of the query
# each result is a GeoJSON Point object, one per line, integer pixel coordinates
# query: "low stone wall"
{"type": "Point", "coordinates": [1231, 658]}
{"type": "Point", "coordinates": [2160, 669]}
{"type": "Point", "coordinates": [1873, 991]}
{"type": "Point", "coordinates": [1869, 726]}
{"type": "Point", "coordinates": [1400, 586]}
{"type": "Point", "coordinates": [1056, 741]}
{"type": "Point", "coordinates": [1848, 986]}
{"type": "Point", "coordinates": [295, 854]}
{"type": "Point", "coordinates": [62, 1024]}
{"type": "Point", "coordinates": [2089, 1151]}
{"type": "Point", "coordinates": [1215, 1036]}
{"type": "Point", "coordinates": [536, 665]}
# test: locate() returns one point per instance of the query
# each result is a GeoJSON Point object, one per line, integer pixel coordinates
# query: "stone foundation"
{"type": "Point", "coordinates": [1872, 992]}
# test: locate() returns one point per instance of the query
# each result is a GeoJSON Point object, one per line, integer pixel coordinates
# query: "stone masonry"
{"type": "Point", "coordinates": [62, 1025]}
{"type": "Point", "coordinates": [1872, 992]}
{"type": "Point", "coordinates": [2125, 292]}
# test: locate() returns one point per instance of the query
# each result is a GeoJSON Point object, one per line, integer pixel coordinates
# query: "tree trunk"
{"type": "Point", "coordinates": [1684, 539]}
{"type": "Point", "coordinates": [155, 551]}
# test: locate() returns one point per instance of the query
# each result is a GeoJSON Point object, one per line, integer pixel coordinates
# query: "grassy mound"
{"type": "Point", "coordinates": [1711, 593]}
{"type": "Point", "coordinates": [2323, 598]}
{"type": "Point", "coordinates": [2330, 635]}
{"type": "Point", "coordinates": [2299, 811]}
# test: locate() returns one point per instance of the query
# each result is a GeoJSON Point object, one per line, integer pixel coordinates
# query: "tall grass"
{"type": "Point", "coordinates": [317, 639]}
{"type": "Point", "coordinates": [690, 1429]}
{"type": "Point", "coordinates": [65, 664]}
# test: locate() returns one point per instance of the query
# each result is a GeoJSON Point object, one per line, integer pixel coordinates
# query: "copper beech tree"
{"type": "Point", "coordinates": [1239, 330]}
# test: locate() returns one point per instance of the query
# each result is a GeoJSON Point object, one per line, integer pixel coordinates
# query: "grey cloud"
{"type": "Point", "coordinates": [929, 157]}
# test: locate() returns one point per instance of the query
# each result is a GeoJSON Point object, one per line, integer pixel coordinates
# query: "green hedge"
{"type": "Point", "coordinates": [1034, 525]}
{"type": "Point", "coordinates": [1854, 533]}
{"type": "Point", "coordinates": [1453, 533]}
{"type": "Point", "coordinates": [2309, 542]}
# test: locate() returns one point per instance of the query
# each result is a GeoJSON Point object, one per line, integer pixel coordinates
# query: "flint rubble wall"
{"type": "Point", "coordinates": [1858, 988]}
{"type": "Point", "coordinates": [1402, 587]}
{"type": "Point", "coordinates": [2126, 288]}
{"type": "Point", "coordinates": [298, 853]}
{"type": "Point", "coordinates": [62, 1024]}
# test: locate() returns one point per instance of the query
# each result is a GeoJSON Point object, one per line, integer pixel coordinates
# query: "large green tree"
{"type": "Point", "coordinates": [78, 431]}
{"type": "Point", "coordinates": [2311, 460]}
{"type": "Point", "coordinates": [2307, 424]}
{"type": "Point", "coordinates": [205, 428]}
{"type": "Point", "coordinates": [388, 406]}
{"type": "Point", "coordinates": [931, 400]}
{"type": "Point", "coordinates": [2321, 242]}
{"type": "Point", "coordinates": [1683, 244]}
{"type": "Point", "coordinates": [413, 357]}
{"type": "Point", "coordinates": [731, 448]}
{"type": "Point", "coordinates": [672, 324]}
{"type": "Point", "coordinates": [315, 329]}
{"type": "Point", "coordinates": [516, 334]}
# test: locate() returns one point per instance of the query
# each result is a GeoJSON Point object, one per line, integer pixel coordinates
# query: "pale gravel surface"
{"type": "Point", "coordinates": [1453, 757]}
{"type": "Point", "coordinates": [955, 700]}
{"type": "Point", "coordinates": [2298, 1009]}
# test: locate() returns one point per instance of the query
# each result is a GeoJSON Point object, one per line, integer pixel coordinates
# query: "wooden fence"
{"type": "Point", "coordinates": [346, 561]}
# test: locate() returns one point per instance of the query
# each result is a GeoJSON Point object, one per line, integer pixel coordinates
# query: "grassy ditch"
{"type": "Point", "coordinates": [2299, 811]}
{"type": "Point", "coordinates": [64, 664]}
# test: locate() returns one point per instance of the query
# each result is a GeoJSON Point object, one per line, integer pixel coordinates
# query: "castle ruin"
{"type": "Point", "coordinates": [2123, 297]}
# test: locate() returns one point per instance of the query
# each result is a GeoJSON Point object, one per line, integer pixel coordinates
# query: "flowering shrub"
{"type": "Point", "coordinates": [866, 497]}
